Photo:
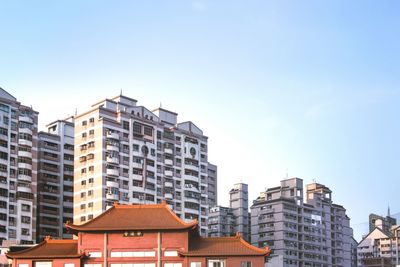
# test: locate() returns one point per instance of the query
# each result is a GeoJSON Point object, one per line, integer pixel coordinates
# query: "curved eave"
{"type": "Point", "coordinates": [10, 256]}
{"type": "Point", "coordinates": [188, 254]}
{"type": "Point", "coordinates": [80, 228]}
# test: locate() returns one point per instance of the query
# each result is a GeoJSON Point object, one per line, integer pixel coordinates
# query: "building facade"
{"type": "Point", "coordinates": [311, 232]}
{"type": "Point", "coordinates": [18, 170]}
{"type": "Point", "coordinates": [212, 185]}
{"type": "Point", "coordinates": [227, 221]}
{"type": "Point", "coordinates": [55, 179]}
{"type": "Point", "coordinates": [127, 153]}
{"type": "Point", "coordinates": [140, 236]}
{"type": "Point", "coordinates": [379, 247]}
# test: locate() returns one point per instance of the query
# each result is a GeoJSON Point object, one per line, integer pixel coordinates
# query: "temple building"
{"type": "Point", "coordinates": [140, 236]}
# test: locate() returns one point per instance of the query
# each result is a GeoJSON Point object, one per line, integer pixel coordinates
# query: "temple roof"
{"type": "Point", "coordinates": [223, 246]}
{"type": "Point", "coordinates": [49, 249]}
{"type": "Point", "coordinates": [135, 217]}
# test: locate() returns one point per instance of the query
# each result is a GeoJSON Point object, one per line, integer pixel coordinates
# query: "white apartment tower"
{"type": "Point", "coordinates": [18, 170]}
{"type": "Point", "coordinates": [126, 153]}
{"type": "Point", "coordinates": [55, 179]}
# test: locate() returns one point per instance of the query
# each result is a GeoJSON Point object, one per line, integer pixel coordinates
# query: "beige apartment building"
{"type": "Point", "coordinates": [55, 179]}
{"type": "Point", "coordinates": [18, 170]}
{"type": "Point", "coordinates": [128, 154]}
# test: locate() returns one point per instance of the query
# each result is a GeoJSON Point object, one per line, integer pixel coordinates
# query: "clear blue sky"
{"type": "Point", "coordinates": [311, 87]}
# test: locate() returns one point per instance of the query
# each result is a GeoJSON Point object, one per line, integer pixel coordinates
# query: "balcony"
{"type": "Point", "coordinates": [25, 119]}
{"type": "Point", "coordinates": [112, 197]}
{"type": "Point", "coordinates": [169, 184]}
{"type": "Point", "coordinates": [24, 189]}
{"type": "Point", "coordinates": [113, 147]}
{"type": "Point", "coordinates": [112, 172]}
{"type": "Point", "coordinates": [24, 165]}
{"type": "Point", "coordinates": [23, 177]}
{"type": "Point", "coordinates": [113, 160]}
{"type": "Point", "coordinates": [113, 135]}
{"type": "Point", "coordinates": [112, 184]}
{"type": "Point", "coordinates": [137, 177]}
{"type": "Point", "coordinates": [192, 167]}
{"type": "Point", "coordinates": [26, 154]}
{"type": "Point", "coordinates": [24, 142]}
{"type": "Point", "coordinates": [168, 150]}
{"type": "Point", "coordinates": [168, 173]}
{"type": "Point", "coordinates": [168, 196]}
{"type": "Point", "coordinates": [168, 162]}
{"type": "Point", "coordinates": [25, 130]}
{"type": "Point", "coordinates": [137, 165]}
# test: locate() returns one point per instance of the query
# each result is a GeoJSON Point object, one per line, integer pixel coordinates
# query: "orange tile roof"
{"type": "Point", "coordinates": [135, 217]}
{"type": "Point", "coordinates": [223, 246]}
{"type": "Point", "coordinates": [49, 249]}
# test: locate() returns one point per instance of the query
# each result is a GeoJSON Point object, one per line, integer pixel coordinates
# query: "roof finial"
{"type": "Point", "coordinates": [120, 92]}
{"type": "Point", "coordinates": [388, 214]}
{"type": "Point", "coordinates": [47, 237]}
{"type": "Point", "coordinates": [76, 111]}
{"type": "Point", "coordinates": [160, 104]}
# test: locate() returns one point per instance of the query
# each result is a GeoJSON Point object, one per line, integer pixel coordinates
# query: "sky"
{"type": "Point", "coordinates": [282, 88]}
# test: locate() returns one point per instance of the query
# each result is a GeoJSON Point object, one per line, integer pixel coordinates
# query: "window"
{"type": "Point", "coordinates": [25, 231]}
{"type": "Point", "coordinates": [84, 123]}
{"type": "Point", "coordinates": [91, 120]}
{"type": "Point", "coordinates": [25, 219]}
{"type": "Point", "coordinates": [26, 207]}
{"type": "Point", "coordinates": [91, 180]}
{"type": "Point", "coordinates": [216, 263]}
{"type": "Point", "coordinates": [83, 218]}
{"type": "Point", "coordinates": [246, 264]}
{"type": "Point", "coordinates": [94, 254]}
{"type": "Point", "coordinates": [195, 264]}
{"type": "Point", "coordinates": [172, 264]}
{"type": "Point", "coordinates": [171, 253]}
{"type": "Point", "coordinates": [42, 263]}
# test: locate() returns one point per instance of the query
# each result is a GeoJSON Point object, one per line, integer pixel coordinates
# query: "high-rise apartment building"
{"type": "Point", "coordinates": [55, 179]}
{"type": "Point", "coordinates": [227, 221]}
{"type": "Point", "coordinates": [314, 232]}
{"type": "Point", "coordinates": [212, 185]}
{"type": "Point", "coordinates": [126, 153]}
{"type": "Point", "coordinates": [18, 170]}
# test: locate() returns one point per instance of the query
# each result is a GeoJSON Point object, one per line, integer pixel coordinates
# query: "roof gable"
{"type": "Point", "coordinates": [223, 246]}
{"type": "Point", "coordinates": [49, 249]}
{"type": "Point", "coordinates": [368, 240]}
{"type": "Point", "coordinates": [135, 217]}
{"type": "Point", "coordinates": [6, 95]}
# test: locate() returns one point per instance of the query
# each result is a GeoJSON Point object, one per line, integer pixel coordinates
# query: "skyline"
{"type": "Point", "coordinates": [307, 89]}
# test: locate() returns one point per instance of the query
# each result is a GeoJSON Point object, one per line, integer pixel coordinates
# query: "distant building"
{"type": "Point", "coordinates": [227, 221]}
{"type": "Point", "coordinates": [140, 236]}
{"type": "Point", "coordinates": [314, 232]}
{"type": "Point", "coordinates": [386, 222]}
{"type": "Point", "coordinates": [212, 185]}
{"type": "Point", "coordinates": [56, 178]}
{"type": "Point", "coordinates": [18, 170]}
{"type": "Point", "coordinates": [379, 247]}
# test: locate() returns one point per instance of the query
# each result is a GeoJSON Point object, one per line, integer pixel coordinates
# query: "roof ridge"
{"type": "Point", "coordinates": [66, 241]}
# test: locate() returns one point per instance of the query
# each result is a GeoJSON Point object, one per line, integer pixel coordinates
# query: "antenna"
{"type": "Point", "coordinates": [120, 92]}
{"type": "Point", "coordinates": [314, 180]}
{"type": "Point", "coordinates": [160, 104]}
{"type": "Point", "coordinates": [76, 111]}
{"type": "Point", "coordinates": [287, 173]}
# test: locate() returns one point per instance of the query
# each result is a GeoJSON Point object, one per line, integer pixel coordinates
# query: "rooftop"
{"type": "Point", "coordinates": [135, 217]}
